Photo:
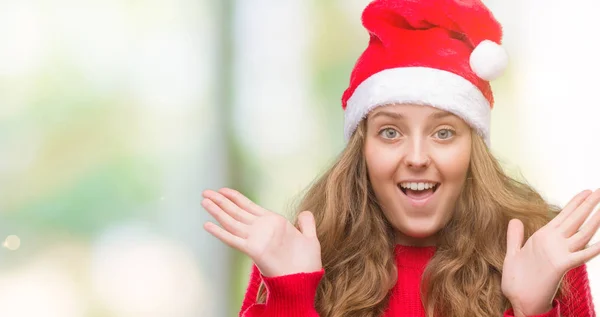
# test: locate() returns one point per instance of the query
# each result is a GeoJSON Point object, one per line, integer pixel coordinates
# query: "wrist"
{"type": "Point", "coordinates": [531, 309]}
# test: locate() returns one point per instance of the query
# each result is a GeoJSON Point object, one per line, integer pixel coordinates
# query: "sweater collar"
{"type": "Point", "coordinates": [413, 257]}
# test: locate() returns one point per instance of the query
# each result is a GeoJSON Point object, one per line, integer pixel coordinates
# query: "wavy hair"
{"type": "Point", "coordinates": [357, 242]}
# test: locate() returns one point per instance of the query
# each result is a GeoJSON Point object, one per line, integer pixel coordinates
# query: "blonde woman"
{"type": "Point", "coordinates": [416, 217]}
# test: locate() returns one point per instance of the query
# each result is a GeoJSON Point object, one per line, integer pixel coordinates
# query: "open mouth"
{"type": "Point", "coordinates": [419, 192]}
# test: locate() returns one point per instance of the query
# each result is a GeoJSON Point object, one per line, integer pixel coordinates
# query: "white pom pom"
{"type": "Point", "coordinates": [488, 60]}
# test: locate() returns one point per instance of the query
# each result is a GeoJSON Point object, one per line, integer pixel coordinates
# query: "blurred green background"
{"type": "Point", "coordinates": [115, 115]}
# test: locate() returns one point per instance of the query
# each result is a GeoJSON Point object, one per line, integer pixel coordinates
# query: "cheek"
{"type": "Point", "coordinates": [455, 164]}
{"type": "Point", "coordinates": [381, 163]}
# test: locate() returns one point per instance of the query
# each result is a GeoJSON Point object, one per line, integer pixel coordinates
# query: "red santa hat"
{"type": "Point", "coordinates": [439, 53]}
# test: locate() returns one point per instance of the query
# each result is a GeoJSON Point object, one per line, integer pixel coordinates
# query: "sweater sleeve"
{"type": "Point", "coordinates": [289, 295]}
{"type": "Point", "coordinates": [578, 300]}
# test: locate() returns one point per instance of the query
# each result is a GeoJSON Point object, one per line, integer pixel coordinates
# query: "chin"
{"type": "Point", "coordinates": [420, 230]}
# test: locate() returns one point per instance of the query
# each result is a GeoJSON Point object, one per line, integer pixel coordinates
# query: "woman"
{"type": "Point", "coordinates": [416, 217]}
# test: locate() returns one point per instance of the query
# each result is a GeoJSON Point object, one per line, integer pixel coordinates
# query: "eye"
{"type": "Point", "coordinates": [389, 133]}
{"type": "Point", "coordinates": [444, 134]}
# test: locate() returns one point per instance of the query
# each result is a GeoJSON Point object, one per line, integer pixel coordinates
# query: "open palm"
{"type": "Point", "coordinates": [532, 272]}
{"type": "Point", "coordinates": [275, 245]}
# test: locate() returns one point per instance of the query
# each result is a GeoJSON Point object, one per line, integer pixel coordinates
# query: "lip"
{"type": "Point", "coordinates": [419, 202]}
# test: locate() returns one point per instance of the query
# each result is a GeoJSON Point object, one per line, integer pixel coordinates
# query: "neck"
{"type": "Point", "coordinates": [406, 240]}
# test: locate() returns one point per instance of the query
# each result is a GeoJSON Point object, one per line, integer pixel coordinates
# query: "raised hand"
{"type": "Point", "coordinates": [532, 272]}
{"type": "Point", "coordinates": [271, 241]}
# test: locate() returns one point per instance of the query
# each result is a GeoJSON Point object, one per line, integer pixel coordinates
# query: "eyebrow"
{"type": "Point", "coordinates": [441, 114]}
{"type": "Point", "coordinates": [387, 114]}
{"type": "Point", "coordinates": [395, 115]}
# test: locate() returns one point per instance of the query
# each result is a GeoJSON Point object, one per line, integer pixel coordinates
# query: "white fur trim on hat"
{"type": "Point", "coordinates": [419, 85]}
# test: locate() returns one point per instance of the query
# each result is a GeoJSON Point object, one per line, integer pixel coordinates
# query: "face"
{"type": "Point", "coordinates": [417, 158]}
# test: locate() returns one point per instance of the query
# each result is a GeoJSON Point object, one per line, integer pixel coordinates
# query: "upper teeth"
{"type": "Point", "coordinates": [417, 186]}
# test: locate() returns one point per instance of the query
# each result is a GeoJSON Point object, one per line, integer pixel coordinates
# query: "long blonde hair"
{"type": "Point", "coordinates": [357, 242]}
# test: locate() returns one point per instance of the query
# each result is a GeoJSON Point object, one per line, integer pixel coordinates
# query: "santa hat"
{"type": "Point", "coordinates": [440, 53]}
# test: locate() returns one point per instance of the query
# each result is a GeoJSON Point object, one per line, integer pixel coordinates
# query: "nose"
{"type": "Point", "coordinates": [417, 155]}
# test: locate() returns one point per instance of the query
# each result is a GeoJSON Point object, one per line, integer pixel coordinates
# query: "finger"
{"type": "Point", "coordinates": [242, 201]}
{"type": "Point", "coordinates": [231, 225]}
{"type": "Point", "coordinates": [572, 223]}
{"type": "Point", "coordinates": [580, 239]}
{"type": "Point", "coordinates": [228, 238]}
{"type": "Point", "coordinates": [570, 207]}
{"type": "Point", "coordinates": [229, 207]}
{"type": "Point", "coordinates": [581, 257]}
{"type": "Point", "coordinates": [514, 237]}
{"type": "Point", "coordinates": [306, 222]}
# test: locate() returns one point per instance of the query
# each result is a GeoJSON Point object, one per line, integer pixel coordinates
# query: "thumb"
{"type": "Point", "coordinates": [306, 222]}
{"type": "Point", "coordinates": [514, 237]}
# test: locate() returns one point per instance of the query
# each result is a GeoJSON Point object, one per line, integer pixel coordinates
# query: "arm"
{"type": "Point", "coordinates": [281, 253]}
{"type": "Point", "coordinates": [577, 302]}
{"type": "Point", "coordinates": [532, 272]}
{"type": "Point", "coordinates": [289, 295]}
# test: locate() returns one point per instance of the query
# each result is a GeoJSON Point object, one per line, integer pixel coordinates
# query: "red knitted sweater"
{"type": "Point", "coordinates": [293, 295]}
